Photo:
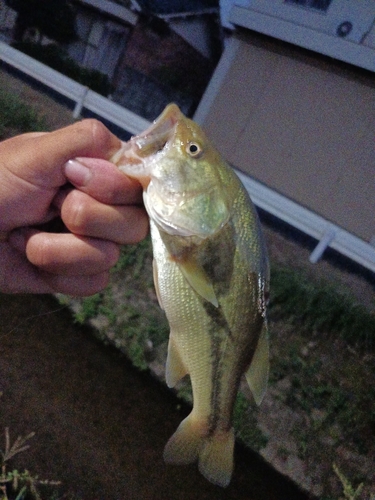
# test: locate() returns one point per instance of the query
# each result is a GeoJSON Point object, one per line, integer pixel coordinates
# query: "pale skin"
{"type": "Point", "coordinates": [99, 205]}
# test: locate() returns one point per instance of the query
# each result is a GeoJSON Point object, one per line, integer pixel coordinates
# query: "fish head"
{"type": "Point", "coordinates": [185, 192]}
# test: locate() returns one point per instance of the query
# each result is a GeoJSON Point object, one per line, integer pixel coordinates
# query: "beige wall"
{"type": "Point", "coordinates": [302, 126]}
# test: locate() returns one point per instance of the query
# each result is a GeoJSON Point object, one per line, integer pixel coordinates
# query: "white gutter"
{"type": "Point", "coordinates": [201, 12]}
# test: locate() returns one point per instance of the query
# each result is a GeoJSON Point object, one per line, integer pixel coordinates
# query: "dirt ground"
{"type": "Point", "coordinates": [100, 425]}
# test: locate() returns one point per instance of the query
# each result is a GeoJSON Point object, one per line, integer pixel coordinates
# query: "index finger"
{"type": "Point", "coordinates": [40, 161]}
{"type": "Point", "coordinates": [103, 181]}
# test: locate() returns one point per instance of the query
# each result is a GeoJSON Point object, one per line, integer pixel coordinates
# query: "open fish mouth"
{"type": "Point", "coordinates": [157, 135]}
{"type": "Point", "coordinates": [132, 155]}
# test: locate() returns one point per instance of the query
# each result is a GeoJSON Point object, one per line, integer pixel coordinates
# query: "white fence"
{"type": "Point", "coordinates": [81, 95]}
{"type": "Point", "coordinates": [327, 233]}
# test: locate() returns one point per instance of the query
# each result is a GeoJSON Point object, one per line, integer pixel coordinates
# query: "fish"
{"type": "Point", "coordinates": [211, 277]}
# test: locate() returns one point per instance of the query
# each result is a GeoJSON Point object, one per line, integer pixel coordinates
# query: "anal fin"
{"type": "Point", "coordinates": [175, 369]}
{"type": "Point", "coordinates": [257, 373]}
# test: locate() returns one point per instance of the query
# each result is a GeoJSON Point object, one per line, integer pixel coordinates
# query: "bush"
{"type": "Point", "coordinates": [56, 58]}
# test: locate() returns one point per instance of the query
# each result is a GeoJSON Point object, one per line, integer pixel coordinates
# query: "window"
{"type": "Point", "coordinates": [321, 5]}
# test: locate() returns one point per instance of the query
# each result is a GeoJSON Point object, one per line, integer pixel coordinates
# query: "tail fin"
{"type": "Point", "coordinates": [216, 458]}
{"type": "Point", "coordinates": [214, 453]}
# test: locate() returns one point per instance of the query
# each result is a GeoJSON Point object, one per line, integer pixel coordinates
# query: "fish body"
{"type": "Point", "coordinates": [211, 277]}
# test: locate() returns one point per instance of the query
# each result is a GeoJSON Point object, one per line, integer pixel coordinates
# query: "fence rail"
{"type": "Point", "coordinates": [327, 233]}
{"type": "Point", "coordinates": [81, 95]}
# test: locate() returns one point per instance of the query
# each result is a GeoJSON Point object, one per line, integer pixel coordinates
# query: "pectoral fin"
{"type": "Point", "coordinates": [175, 369]}
{"type": "Point", "coordinates": [257, 373]}
{"type": "Point", "coordinates": [198, 280]}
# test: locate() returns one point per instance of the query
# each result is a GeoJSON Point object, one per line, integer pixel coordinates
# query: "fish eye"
{"type": "Point", "coordinates": [194, 149]}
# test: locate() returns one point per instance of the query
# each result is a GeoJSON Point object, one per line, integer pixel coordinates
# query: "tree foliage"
{"type": "Point", "coordinates": [52, 18]}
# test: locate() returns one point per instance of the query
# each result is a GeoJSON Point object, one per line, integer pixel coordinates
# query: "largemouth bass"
{"type": "Point", "coordinates": [211, 278]}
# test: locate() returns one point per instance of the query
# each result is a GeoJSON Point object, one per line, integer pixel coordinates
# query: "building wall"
{"type": "Point", "coordinates": [157, 51]}
{"type": "Point", "coordinates": [303, 126]}
{"type": "Point", "coordinates": [101, 41]}
{"type": "Point", "coordinates": [158, 66]}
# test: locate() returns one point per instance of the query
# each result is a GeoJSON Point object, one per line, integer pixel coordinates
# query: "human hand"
{"type": "Point", "coordinates": [64, 174]}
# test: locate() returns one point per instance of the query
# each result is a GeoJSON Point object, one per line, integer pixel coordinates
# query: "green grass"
{"type": "Point", "coordinates": [17, 485]}
{"type": "Point", "coordinates": [350, 493]}
{"type": "Point", "coordinates": [16, 117]}
{"type": "Point", "coordinates": [318, 307]}
{"type": "Point", "coordinates": [245, 423]}
{"type": "Point", "coordinates": [128, 309]}
{"type": "Point", "coordinates": [329, 397]}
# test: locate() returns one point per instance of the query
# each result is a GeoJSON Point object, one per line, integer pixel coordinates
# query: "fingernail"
{"type": "Point", "coordinates": [77, 172]}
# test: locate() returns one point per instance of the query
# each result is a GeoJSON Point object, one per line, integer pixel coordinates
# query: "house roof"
{"type": "Point", "coordinates": [173, 7]}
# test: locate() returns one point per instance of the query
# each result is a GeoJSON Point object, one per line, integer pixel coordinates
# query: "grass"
{"type": "Point", "coordinates": [127, 313]}
{"type": "Point", "coordinates": [336, 401]}
{"type": "Point", "coordinates": [16, 485]}
{"type": "Point", "coordinates": [318, 307]}
{"type": "Point", "coordinates": [16, 117]}
{"type": "Point", "coordinates": [350, 493]}
{"type": "Point", "coordinates": [245, 423]}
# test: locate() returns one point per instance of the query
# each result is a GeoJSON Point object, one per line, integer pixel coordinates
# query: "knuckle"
{"type": "Point", "coordinates": [96, 128]}
{"type": "Point", "coordinates": [41, 253]}
{"type": "Point", "coordinates": [99, 134]}
{"type": "Point", "coordinates": [75, 212]}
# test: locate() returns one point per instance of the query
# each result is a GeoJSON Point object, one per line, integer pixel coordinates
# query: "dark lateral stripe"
{"type": "Point", "coordinates": [219, 331]}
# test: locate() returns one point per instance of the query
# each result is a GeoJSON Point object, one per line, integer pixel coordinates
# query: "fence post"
{"type": "Point", "coordinates": [327, 238]}
{"type": "Point", "coordinates": [80, 102]}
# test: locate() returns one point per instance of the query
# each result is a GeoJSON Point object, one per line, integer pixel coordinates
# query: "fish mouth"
{"type": "Point", "coordinates": [132, 156]}
{"type": "Point", "coordinates": [153, 139]}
